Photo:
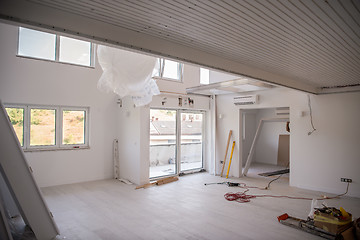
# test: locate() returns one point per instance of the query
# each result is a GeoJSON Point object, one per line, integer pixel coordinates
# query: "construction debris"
{"type": "Point", "coordinates": [332, 219]}
{"type": "Point", "coordinates": [159, 182]}
{"type": "Point", "coordinates": [329, 223]}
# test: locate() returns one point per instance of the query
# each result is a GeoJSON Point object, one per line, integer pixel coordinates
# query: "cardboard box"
{"type": "Point", "coordinates": [348, 234]}
{"type": "Point", "coordinates": [332, 224]}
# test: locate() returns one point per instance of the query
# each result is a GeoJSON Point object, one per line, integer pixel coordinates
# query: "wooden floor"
{"type": "Point", "coordinates": [186, 209]}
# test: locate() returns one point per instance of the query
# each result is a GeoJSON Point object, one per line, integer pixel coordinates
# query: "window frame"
{"type": "Point", "coordinates": [57, 49]}
{"type": "Point", "coordinates": [162, 67]}
{"type": "Point", "coordinates": [178, 129]}
{"type": "Point", "coordinates": [29, 108]}
{"type": "Point", "coordinates": [58, 127]}
{"type": "Point", "coordinates": [86, 127]}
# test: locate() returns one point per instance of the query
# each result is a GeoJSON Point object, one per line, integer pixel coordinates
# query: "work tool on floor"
{"type": "Point", "coordinates": [232, 151]}
{"type": "Point", "coordinates": [309, 226]}
{"type": "Point", "coordinates": [268, 174]}
{"type": "Point", "coordinates": [227, 148]}
{"type": "Point", "coordinates": [230, 184]}
{"type": "Point", "coordinates": [159, 182]}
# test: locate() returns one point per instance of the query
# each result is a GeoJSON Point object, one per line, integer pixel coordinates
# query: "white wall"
{"type": "Point", "coordinates": [229, 121]}
{"type": "Point", "coordinates": [29, 81]}
{"type": "Point", "coordinates": [317, 161]}
{"type": "Point", "coordinates": [267, 145]}
{"type": "Point", "coordinates": [134, 141]}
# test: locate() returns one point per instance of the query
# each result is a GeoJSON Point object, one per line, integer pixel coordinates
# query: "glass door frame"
{"type": "Point", "coordinates": [178, 147]}
{"type": "Point", "coordinates": [178, 170]}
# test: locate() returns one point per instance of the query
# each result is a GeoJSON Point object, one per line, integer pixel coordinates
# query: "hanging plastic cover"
{"type": "Point", "coordinates": [128, 74]}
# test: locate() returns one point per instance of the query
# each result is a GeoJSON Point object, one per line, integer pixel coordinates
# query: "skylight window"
{"type": "Point", "coordinates": [36, 44]}
{"type": "Point", "coordinates": [170, 70]}
{"type": "Point", "coordinates": [204, 76]}
{"type": "Point", "coordinates": [52, 47]}
{"type": "Point", "coordinates": [75, 51]}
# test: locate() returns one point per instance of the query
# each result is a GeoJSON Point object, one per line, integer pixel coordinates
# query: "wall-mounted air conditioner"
{"type": "Point", "coordinates": [246, 100]}
{"type": "Point", "coordinates": [282, 112]}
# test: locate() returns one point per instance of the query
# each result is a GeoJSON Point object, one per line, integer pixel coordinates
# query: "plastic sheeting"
{"type": "Point", "coordinates": [128, 74]}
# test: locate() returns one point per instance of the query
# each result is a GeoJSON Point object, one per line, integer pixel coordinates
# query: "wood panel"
{"type": "Point", "coordinates": [283, 150]}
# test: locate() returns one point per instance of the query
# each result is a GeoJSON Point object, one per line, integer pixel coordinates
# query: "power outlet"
{"type": "Point", "coordinates": [348, 180]}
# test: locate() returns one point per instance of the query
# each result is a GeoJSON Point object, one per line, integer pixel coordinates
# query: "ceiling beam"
{"type": "Point", "coordinates": [25, 13]}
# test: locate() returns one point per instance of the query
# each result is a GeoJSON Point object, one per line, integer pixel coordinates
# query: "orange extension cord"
{"type": "Point", "coordinates": [242, 197]}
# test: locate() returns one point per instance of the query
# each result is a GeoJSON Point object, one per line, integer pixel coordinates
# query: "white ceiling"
{"type": "Point", "coordinates": [311, 45]}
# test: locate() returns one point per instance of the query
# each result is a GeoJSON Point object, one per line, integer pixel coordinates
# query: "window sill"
{"type": "Point", "coordinates": [55, 61]}
{"type": "Point", "coordinates": [34, 149]}
{"type": "Point", "coordinates": [168, 79]}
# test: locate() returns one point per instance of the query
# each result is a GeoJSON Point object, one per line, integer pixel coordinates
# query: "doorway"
{"type": "Point", "coordinates": [268, 129]}
{"type": "Point", "coordinates": [175, 134]}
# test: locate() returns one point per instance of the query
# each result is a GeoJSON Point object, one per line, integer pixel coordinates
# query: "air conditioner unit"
{"type": "Point", "coordinates": [246, 100]}
{"type": "Point", "coordinates": [282, 111]}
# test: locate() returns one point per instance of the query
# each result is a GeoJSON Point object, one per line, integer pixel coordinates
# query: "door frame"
{"type": "Point", "coordinates": [178, 170]}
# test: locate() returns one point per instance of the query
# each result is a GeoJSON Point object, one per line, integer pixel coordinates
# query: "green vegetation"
{"type": "Point", "coordinates": [16, 116]}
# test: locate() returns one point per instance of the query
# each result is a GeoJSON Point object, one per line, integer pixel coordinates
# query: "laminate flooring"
{"type": "Point", "coordinates": [186, 209]}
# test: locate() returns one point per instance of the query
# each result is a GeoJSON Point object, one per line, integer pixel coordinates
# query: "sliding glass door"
{"type": "Point", "coordinates": [175, 134]}
{"type": "Point", "coordinates": [191, 141]}
{"type": "Point", "coordinates": [162, 142]}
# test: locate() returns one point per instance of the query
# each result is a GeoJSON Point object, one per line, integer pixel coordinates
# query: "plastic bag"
{"type": "Point", "coordinates": [128, 74]}
{"type": "Point", "coordinates": [316, 204]}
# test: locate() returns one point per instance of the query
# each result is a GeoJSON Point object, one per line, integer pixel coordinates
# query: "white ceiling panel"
{"type": "Point", "coordinates": [311, 45]}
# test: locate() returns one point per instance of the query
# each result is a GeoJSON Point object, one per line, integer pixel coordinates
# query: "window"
{"type": "Point", "coordinates": [52, 47]}
{"type": "Point", "coordinates": [204, 76]}
{"type": "Point", "coordinates": [16, 116]}
{"type": "Point", "coordinates": [42, 127]}
{"type": "Point", "coordinates": [52, 128]}
{"type": "Point", "coordinates": [73, 127]}
{"type": "Point", "coordinates": [75, 51]}
{"type": "Point", "coordinates": [36, 44]}
{"type": "Point", "coordinates": [170, 70]}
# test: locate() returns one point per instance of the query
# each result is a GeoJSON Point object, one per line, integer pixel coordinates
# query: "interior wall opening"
{"type": "Point", "coordinates": [265, 135]}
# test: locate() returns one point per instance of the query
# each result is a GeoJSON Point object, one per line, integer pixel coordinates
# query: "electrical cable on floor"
{"type": "Point", "coordinates": [268, 186]}
{"type": "Point", "coordinates": [242, 197]}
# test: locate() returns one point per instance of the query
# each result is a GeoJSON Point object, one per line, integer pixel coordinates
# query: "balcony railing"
{"type": "Point", "coordinates": [163, 156]}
